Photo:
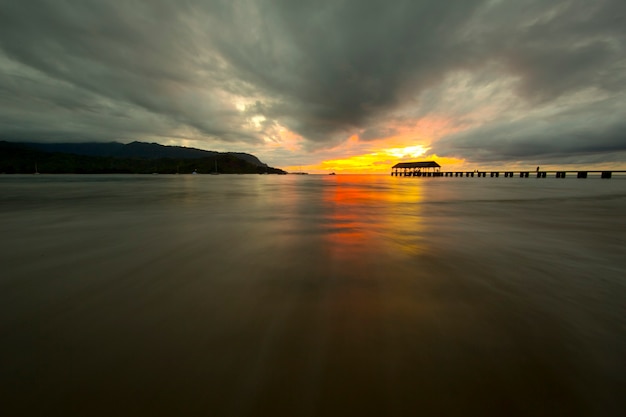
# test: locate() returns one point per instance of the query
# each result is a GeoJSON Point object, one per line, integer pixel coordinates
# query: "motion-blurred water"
{"type": "Point", "coordinates": [312, 296]}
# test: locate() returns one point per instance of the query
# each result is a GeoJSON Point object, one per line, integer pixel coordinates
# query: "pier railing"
{"type": "Point", "coordinates": [506, 174]}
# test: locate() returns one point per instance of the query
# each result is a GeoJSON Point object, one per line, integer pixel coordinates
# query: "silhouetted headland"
{"type": "Point", "coordinates": [118, 158]}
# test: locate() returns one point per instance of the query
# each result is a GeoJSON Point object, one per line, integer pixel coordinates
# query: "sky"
{"type": "Point", "coordinates": [346, 86]}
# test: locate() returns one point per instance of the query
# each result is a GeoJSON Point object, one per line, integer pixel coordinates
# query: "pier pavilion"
{"type": "Point", "coordinates": [416, 169]}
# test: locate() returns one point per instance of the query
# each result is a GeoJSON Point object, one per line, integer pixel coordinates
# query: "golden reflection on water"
{"type": "Point", "coordinates": [368, 216]}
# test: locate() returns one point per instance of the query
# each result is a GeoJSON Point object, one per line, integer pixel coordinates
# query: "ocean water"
{"type": "Point", "coordinates": [345, 295]}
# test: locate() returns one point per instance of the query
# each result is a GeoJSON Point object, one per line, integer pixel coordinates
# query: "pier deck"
{"type": "Point", "coordinates": [506, 174]}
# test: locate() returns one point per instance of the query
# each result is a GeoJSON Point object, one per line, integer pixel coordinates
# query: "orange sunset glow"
{"type": "Point", "coordinates": [375, 162]}
{"type": "Point", "coordinates": [378, 162]}
{"type": "Point", "coordinates": [411, 141]}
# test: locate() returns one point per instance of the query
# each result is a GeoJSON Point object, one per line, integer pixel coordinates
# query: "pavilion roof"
{"type": "Point", "coordinates": [422, 164]}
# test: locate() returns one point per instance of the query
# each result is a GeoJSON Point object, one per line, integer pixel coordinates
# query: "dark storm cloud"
{"type": "Point", "coordinates": [570, 66]}
{"type": "Point", "coordinates": [333, 64]}
{"type": "Point", "coordinates": [138, 59]}
{"type": "Point", "coordinates": [557, 47]}
{"type": "Point", "coordinates": [324, 69]}
{"type": "Point", "coordinates": [526, 140]}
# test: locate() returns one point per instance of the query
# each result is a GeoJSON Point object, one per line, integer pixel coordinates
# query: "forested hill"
{"type": "Point", "coordinates": [114, 157]}
{"type": "Point", "coordinates": [135, 150]}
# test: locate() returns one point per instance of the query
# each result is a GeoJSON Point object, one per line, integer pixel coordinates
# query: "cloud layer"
{"type": "Point", "coordinates": [512, 80]}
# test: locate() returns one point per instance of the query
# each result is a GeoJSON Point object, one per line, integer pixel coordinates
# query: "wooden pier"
{"type": "Point", "coordinates": [432, 169]}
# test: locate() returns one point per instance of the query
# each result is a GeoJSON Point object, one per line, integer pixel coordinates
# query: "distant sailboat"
{"type": "Point", "coordinates": [36, 170]}
{"type": "Point", "coordinates": [215, 172]}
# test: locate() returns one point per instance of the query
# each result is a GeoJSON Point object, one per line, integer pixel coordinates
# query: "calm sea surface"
{"type": "Point", "coordinates": [250, 295]}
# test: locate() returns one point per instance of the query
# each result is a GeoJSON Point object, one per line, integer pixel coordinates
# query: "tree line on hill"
{"type": "Point", "coordinates": [117, 158]}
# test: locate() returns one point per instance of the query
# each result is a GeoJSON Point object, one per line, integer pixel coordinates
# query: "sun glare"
{"type": "Point", "coordinates": [257, 120]}
{"type": "Point", "coordinates": [406, 152]}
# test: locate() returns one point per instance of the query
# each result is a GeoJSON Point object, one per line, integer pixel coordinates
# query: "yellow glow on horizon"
{"type": "Point", "coordinates": [373, 163]}
{"type": "Point", "coordinates": [370, 163]}
{"type": "Point", "coordinates": [409, 142]}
